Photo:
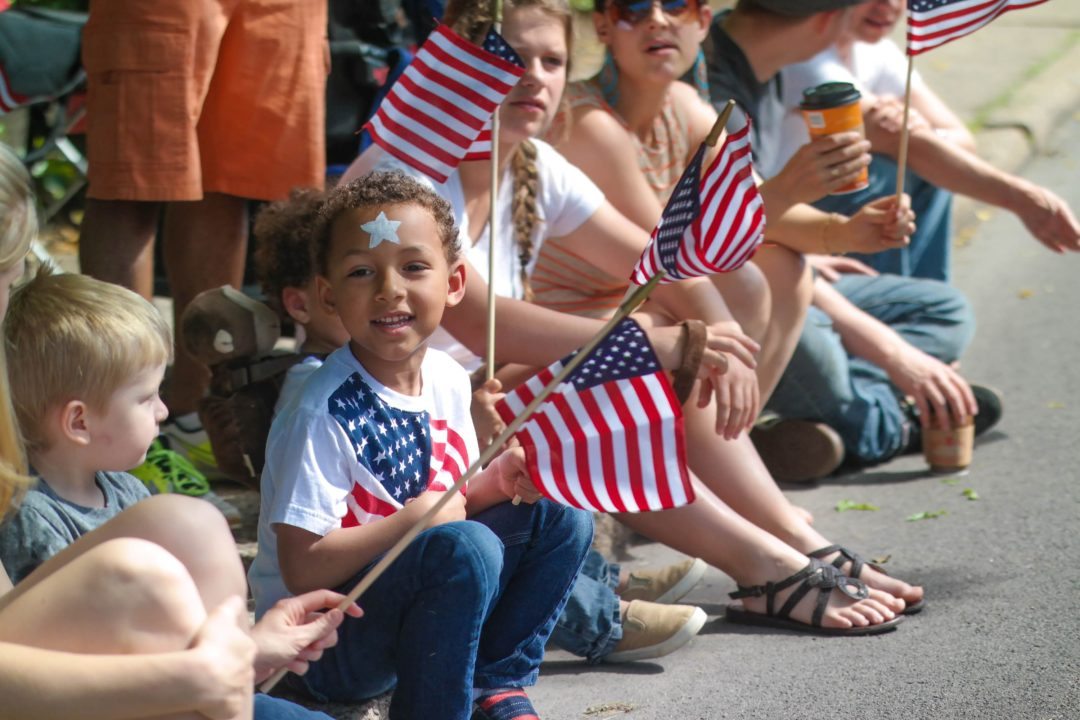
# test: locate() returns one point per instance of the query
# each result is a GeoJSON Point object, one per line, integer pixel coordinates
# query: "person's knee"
{"type": "Point", "coordinates": [574, 526]}
{"type": "Point", "coordinates": [747, 295]}
{"type": "Point", "coordinates": [180, 520]}
{"type": "Point", "coordinates": [463, 552]}
{"type": "Point", "coordinates": [196, 533]}
{"type": "Point", "coordinates": [159, 602]}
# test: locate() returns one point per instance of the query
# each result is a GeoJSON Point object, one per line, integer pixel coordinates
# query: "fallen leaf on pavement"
{"type": "Point", "coordinates": [926, 515]}
{"type": "Point", "coordinates": [844, 505]}
{"type": "Point", "coordinates": [605, 710]}
{"type": "Point", "coordinates": [970, 493]}
{"type": "Point", "coordinates": [1025, 294]}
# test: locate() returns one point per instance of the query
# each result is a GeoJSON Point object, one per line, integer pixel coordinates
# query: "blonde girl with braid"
{"type": "Point", "coordinates": [740, 523]}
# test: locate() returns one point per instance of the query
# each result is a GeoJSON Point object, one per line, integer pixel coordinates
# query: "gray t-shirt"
{"type": "Point", "coordinates": [732, 77]}
{"type": "Point", "coordinates": [45, 523]}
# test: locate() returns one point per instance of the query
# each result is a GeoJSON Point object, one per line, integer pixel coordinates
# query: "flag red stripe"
{"type": "Point", "coordinates": [576, 446]}
{"type": "Point", "coordinates": [394, 110]}
{"type": "Point", "coordinates": [482, 55]}
{"type": "Point", "coordinates": [543, 425]}
{"type": "Point", "coordinates": [467, 93]}
{"type": "Point", "coordinates": [604, 443]}
{"type": "Point", "coordinates": [656, 431]}
{"type": "Point", "coordinates": [634, 451]}
{"type": "Point", "coordinates": [390, 143]}
{"type": "Point", "coordinates": [445, 106]}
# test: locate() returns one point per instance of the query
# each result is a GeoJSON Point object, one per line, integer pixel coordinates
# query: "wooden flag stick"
{"type": "Point", "coordinates": [721, 122]}
{"type": "Point", "coordinates": [493, 222]}
{"type": "Point", "coordinates": [901, 158]}
{"type": "Point", "coordinates": [634, 300]}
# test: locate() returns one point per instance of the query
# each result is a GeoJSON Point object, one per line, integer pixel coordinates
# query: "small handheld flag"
{"type": "Point", "coordinates": [710, 226]}
{"type": "Point", "coordinates": [610, 438]}
{"type": "Point", "coordinates": [438, 107]}
{"type": "Point", "coordinates": [935, 22]}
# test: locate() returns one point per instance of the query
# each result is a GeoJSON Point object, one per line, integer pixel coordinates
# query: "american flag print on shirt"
{"type": "Point", "coordinates": [437, 108]}
{"type": "Point", "coordinates": [404, 452]}
{"type": "Point", "coordinates": [610, 438]}
{"type": "Point", "coordinates": [935, 22]}
{"type": "Point", "coordinates": [711, 226]}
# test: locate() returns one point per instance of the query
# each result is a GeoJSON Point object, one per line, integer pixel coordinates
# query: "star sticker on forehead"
{"type": "Point", "coordinates": [380, 229]}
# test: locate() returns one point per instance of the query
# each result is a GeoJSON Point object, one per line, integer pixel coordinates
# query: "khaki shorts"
{"type": "Point", "coordinates": [194, 96]}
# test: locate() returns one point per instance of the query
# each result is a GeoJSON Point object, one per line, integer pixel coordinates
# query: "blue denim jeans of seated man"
{"type": "Point", "coordinates": [272, 708]}
{"type": "Point", "coordinates": [928, 255]}
{"type": "Point", "coordinates": [590, 626]}
{"type": "Point", "coordinates": [467, 605]}
{"type": "Point", "coordinates": [852, 395]}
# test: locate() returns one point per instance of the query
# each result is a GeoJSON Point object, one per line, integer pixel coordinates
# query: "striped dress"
{"type": "Point", "coordinates": [562, 280]}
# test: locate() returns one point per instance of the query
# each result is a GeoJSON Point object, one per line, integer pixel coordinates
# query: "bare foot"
{"type": "Point", "coordinates": [878, 580]}
{"type": "Point", "coordinates": [842, 611]}
{"type": "Point", "coordinates": [804, 514]}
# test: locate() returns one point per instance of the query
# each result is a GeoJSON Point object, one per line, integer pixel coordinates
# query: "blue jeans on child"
{"type": "Point", "coordinates": [853, 396]}
{"type": "Point", "coordinates": [928, 254]}
{"type": "Point", "coordinates": [590, 626]}
{"type": "Point", "coordinates": [271, 708]}
{"type": "Point", "coordinates": [467, 605]}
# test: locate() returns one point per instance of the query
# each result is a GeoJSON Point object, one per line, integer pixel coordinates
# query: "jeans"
{"type": "Point", "coordinates": [928, 254]}
{"type": "Point", "coordinates": [854, 396]}
{"type": "Point", "coordinates": [271, 708]}
{"type": "Point", "coordinates": [467, 605]}
{"type": "Point", "coordinates": [590, 626]}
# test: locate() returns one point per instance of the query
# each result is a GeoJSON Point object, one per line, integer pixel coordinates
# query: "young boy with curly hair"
{"type": "Point", "coordinates": [378, 433]}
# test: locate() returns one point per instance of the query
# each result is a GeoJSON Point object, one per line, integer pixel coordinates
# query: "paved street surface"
{"type": "Point", "coordinates": [1000, 637]}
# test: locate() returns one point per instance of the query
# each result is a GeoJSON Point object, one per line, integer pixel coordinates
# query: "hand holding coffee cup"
{"type": "Point", "coordinates": [824, 164]}
{"type": "Point", "coordinates": [828, 110]}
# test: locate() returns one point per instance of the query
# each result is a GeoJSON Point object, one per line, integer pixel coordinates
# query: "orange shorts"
{"type": "Point", "coordinates": [194, 96]}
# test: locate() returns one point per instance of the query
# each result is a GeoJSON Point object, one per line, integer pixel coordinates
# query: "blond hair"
{"type": "Point", "coordinates": [73, 337]}
{"type": "Point", "coordinates": [472, 20]}
{"type": "Point", "coordinates": [18, 228]}
{"type": "Point", "coordinates": [526, 189]}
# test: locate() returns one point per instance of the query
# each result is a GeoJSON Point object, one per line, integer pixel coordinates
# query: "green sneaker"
{"type": "Point", "coordinates": [194, 445]}
{"type": "Point", "coordinates": [167, 471]}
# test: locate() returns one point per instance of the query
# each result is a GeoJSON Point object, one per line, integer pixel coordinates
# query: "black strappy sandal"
{"type": "Point", "coordinates": [820, 575]}
{"type": "Point", "coordinates": [857, 564]}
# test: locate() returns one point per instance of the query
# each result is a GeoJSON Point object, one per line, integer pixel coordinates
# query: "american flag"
{"type": "Point", "coordinates": [936, 22]}
{"type": "Point", "coordinates": [405, 452]}
{"type": "Point", "coordinates": [610, 438]}
{"type": "Point", "coordinates": [481, 146]}
{"type": "Point", "coordinates": [708, 227]}
{"type": "Point", "coordinates": [439, 105]}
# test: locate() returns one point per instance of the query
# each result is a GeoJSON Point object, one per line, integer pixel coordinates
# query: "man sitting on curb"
{"type": "Point", "coordinates": [870, 342]}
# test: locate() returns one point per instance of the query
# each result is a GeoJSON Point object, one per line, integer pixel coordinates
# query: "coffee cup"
{"type": "Point", "coordinates": [949, 450]}
{"type": "Point", "coordinates": [831, 108]}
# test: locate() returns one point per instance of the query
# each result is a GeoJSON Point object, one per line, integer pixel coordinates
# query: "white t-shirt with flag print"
{"type": "Point", "coordinates": [348, 451]}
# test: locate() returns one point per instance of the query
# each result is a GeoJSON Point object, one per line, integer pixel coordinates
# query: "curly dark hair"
{"type": "Point", "coordinates": [382, 189]}
{"type": "Point", "coordinates": [284, 243]}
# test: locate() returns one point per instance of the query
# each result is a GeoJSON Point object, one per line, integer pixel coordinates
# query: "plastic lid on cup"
{"type": "Point", "coordinates": [829, 95]}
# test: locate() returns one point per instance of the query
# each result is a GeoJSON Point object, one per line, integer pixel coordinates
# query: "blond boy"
{"type": "Point", "coordinates": [85, 360]}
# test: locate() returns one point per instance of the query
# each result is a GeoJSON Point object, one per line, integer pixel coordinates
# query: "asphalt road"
{"type": "Point", "coordinates": [1000, 637]}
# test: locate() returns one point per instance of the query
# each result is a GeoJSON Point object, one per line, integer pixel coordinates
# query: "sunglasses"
{"type": "Point", "coordinates": [636, 11]}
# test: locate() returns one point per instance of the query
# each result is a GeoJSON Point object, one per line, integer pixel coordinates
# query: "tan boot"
{"type": "Point", "coordinates": [666, 585]}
